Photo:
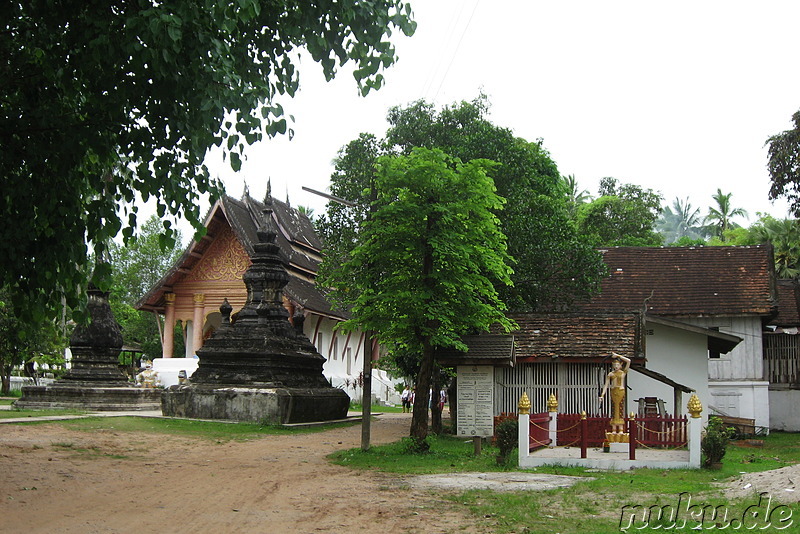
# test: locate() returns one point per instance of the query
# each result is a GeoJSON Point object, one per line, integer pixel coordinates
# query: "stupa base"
{"type": "Point", "coordinates": [279, 405]}
{"type": "Point", "coordinates": [90, 398]}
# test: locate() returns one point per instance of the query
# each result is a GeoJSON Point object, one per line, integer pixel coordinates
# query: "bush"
{"type": "Point", "coordinates": [506, 434]}
{"type": "Point", "coordinates": [715, 441]}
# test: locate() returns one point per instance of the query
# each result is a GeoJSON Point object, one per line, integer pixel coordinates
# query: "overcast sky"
{"type": "Point", "coordinates": [674, 96]}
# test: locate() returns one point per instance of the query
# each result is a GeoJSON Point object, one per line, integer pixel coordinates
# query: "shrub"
{"type": "Point", "coordinates": [715, 441]}
{"type": "Point", "coordinates": [506, 434]}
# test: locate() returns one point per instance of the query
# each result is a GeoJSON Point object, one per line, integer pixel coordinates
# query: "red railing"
{"type": "Point", "coordinates": [657, 431]}
{"type": "Point", "coordinates": [569, 430]}
{"type": "Point", "coordinates": [539, 434]}
{"type": "Point", "coordinates": [651, 431]}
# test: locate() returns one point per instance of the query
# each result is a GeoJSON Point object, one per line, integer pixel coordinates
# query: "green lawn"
{"type": "Point", "coordinates": [593, 506]}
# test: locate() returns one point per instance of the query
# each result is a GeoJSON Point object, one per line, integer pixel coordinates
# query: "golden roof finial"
{"type": "Point", "coordinates": [694, 406]}
{"type": "Point", "coordinates": [552, 403]}
{"type": "Point", "coordinates": [524, 404]}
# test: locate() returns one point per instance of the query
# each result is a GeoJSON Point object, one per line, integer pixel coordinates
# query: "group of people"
{"type": "Point", "coordinates": [408, 395]}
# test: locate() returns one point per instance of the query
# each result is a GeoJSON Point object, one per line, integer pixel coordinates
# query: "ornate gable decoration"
{"type": "Point", "coordinates": [226, 259]}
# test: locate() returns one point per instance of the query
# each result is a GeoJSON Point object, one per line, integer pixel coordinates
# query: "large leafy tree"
{"type": "Point", "coordinates": [104, 101]}
{"type": "Point", "coordinates": [553, 265]}
{"type": "Point", "coordinates": [428, 261]}
{"type": "Point", "coordinates": [622, 215]}
{"type": "Point", "coordinates": [23, 343]}
{"type": "Point", "coordinates": [719, 216]}
{"type": "Point", "coordinates": [784, 165]}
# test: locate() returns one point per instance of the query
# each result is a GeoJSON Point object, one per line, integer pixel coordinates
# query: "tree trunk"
{"type": "Point", "coordinates": [436, 411]}
{"type": "Point", "coordinates": [419, 418]}
{"type": "Point", "coordinates": [5, 378]}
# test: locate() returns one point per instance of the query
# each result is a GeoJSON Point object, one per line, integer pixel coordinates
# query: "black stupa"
{"type": "Point", "coordinates": [259, 367]}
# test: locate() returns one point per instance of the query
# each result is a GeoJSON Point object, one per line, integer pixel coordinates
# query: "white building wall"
{"type": "Point", "coordinates": [736, 379]}
{"type": "Point", "coordinates": [344, 360]}
{"type": "Point", "coordinates": [783, 413]}
{"type": "Point", "coordinates": [679, 355]}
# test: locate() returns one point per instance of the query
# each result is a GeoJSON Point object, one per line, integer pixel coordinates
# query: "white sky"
{"type": "Point", "coordinates": [674, 96]}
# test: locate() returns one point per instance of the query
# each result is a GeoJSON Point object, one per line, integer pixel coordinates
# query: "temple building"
{"type": "Point", "coordinates": [210, 270]}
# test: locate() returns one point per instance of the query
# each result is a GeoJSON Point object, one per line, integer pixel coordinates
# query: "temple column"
{"type": "Point", "coordinates": [197, 322]}
{"type": "Point", "coordinates": [168, 344]}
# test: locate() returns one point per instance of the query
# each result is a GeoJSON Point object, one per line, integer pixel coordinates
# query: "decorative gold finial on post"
{"type": "Point", "coordinates": [524, 404]}
{"type": "Point", "coordinates": [552, 403]}
{"type": "Point", "coordinates": [694, 406]}
{"type": "Point", "coordinates": [583, 414]}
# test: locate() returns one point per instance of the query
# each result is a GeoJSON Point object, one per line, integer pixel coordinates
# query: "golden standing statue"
{"type": "Point", "coordinates": [616, 379]}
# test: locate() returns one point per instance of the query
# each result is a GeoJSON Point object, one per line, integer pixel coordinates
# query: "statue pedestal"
{"type": "Point", "coordinates": [618, 442]}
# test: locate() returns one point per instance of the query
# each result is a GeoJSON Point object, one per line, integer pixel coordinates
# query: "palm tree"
{"type": "Point", "coordinates": [721, 215]}
{"type": "Point", "coordinates": [784, 234]}
{"type": "Point", "coordinates": [575, 196]}
{"type": "Point", "coordinates": [681, 220]}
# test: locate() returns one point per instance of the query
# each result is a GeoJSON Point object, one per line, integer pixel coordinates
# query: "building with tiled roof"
{"type": "Point", "coordinates": [782, 358]}
{"type": "Point", "coordinates": [728, 289]}
{"type": "Point", "coordinates": [211, 269]}
{"type": "Point", "coordinates": [690, 319]}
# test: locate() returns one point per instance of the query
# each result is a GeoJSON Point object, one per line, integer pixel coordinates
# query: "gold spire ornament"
{"type": "Point", "coordinates": [694, 406]}
{"type": "Point", "coordinates": [552, 403]}
{"type": "Point", "coordinates": [524, 404]}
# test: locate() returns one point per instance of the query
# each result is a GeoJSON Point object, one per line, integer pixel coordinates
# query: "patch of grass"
{"type": "Point", "coordinates": [376, 408]}
{"type": "Point", "coordinates": [211, 430]}
{"type": "Point", "coordinates": [447, 454]}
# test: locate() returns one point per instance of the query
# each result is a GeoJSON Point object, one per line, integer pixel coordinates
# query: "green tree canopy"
{"type": "Point", "coordinates": [554, 265]}
{"type": "Point", "coordinates": [24, 342]}
{"type": "Point", "coordinates": [784, 165]}
{"type": "Point", "coordinates": [428, 261]}
{"type": "Point", "coordinates": [104, 101]}
{"type": "Point", "coordinates": [622, 215]}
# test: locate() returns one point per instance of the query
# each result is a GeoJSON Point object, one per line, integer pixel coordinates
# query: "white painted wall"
{"type": "Point", "coordinates": [681, 356]}
{"type": "Point", "coordinates": [783, 413]}
{"type": "Point", "coordinates": [736, 379]}
{"type": "Point", "coordinates": [344, 360]}
{"type": "Point", "coordinates": [746, 360]}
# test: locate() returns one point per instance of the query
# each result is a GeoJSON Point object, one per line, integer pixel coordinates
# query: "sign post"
{"type": "Point", "coordinates": [475, 412]}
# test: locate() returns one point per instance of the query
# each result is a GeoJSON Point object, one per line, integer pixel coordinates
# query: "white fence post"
{"type": "Point", "coordinates": [523, 444]}
{"type": "Point", "coordinates": [553, 429]}
{"type": "Point", "coordinates": [695, 430]}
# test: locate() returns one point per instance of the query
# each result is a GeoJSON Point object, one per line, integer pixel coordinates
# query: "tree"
{"type": "Point", "coordinates": [576, 197]}
{"type": "Point", "coordinates": [784, 234]}
{"type": "Point", "coordinates": [25, 343]}
{"type": "Point", "coordinates": [721, 215]}
{"type": "Point", "coordinates": [554, 265]}
{"type": "Point", "coordinates": [136, 268]}
{"type": "Point", "coordinates": [623, 215]}
{"type": "Point", "coordinates": [428, 261]}
{"type": "Point", "coordinates": [784, 165]}
{"type": "Point", "coordinates": [682, 220]}
{"type": "Point", "coordinates": [138, 265]}
{"type": "Point", "coordinates": [103, 102]}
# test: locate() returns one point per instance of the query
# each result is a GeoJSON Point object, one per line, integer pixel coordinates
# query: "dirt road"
{"type": "Point", "coordinates": [57, 480]}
